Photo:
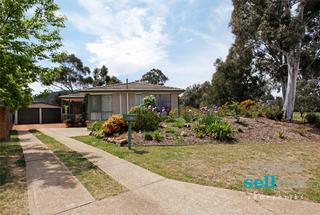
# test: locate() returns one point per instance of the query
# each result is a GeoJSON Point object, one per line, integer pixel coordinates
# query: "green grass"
{"type": "Point", "coordinates": [99, 184]}
{"type": "Point", "coordinates": [295, 165]}
{"type": "Point", "coordinates": [13, 186]}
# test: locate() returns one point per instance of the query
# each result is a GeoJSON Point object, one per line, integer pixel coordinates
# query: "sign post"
{"type": "Point", "coordinates": [130, 118]}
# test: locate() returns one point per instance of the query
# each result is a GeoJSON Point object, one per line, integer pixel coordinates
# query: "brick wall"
{"type": "Point", "coordinates": [5, 122]}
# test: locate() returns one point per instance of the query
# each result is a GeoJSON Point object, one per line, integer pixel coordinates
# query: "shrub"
{"type": "Point", "coordinates": [187, 117]}
{"type": "Point", "coordinates": [235, 110]}
{"type": "Point", "coordinates": [147, 120]}
{"type": "Point", "coordinates": [311, 118]}
{"type": "Point", "coordinates": [149, 101]}
{"type": "Point", "coordinates": [199, 129]}
{"type": "Point", "coordinates": [115, 124]}
{"type": "Point", "coordinates": [157, 135]}
{"type": "Point", "coordinates": [273, 112]}
{"type": "Point", "coordinates": [317, 122]}
{"type": "Point", "coordinates": [96, 126]}
{"type": "Point", "coordinates": [179, 122]}
{"type": "Point", "coordinates": [247, 102]}
{"type": "Point", "coordinates": [148, 136]}
{"type": "Point", "coordinates": [221, 131]}
{"type": "Point", "coordinates": [210, 118]}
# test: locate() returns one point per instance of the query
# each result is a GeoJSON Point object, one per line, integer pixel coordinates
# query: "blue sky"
{"type": "Point", "coordinates": [181, 37]}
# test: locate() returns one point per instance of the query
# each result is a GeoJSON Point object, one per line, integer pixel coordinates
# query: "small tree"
{"type": "Point", "coordinates": [155, 76]}
{"type": "Point", "coordinates": [29, 34]}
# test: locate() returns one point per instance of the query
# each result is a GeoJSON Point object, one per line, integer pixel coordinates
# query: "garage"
{"type": "Point", "coordinates": [38, 113]}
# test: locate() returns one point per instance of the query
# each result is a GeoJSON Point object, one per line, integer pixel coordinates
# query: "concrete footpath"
{"type": "Point", "coordinates": [52, 188]}
{"type": "Point", "coordinates": [153, 194]}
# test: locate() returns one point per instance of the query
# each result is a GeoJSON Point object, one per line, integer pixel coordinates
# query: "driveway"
{"type": "Point", "coordinates": [38, 126]}
{"type": "Point", "coordinates": [150, 193]}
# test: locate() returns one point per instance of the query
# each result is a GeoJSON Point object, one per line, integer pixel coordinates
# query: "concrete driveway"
{"type": "Point", "coordinates": [150, 193]}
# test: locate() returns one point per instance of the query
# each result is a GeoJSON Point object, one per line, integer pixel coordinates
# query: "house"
{"type": "Point", "coordinates": [102, 102]}
{"type": "Point", "coordinates": [38, 113]}
{"type": "Point", "coordinates": [5, 122]}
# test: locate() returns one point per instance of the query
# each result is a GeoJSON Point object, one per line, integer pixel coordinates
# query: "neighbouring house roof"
{"type": "Point", "coordinates": [43, 105]}
{"type": "Point", "coordinates": [134, 87]}
{"type": "Point", "coordinates": [73, 96]}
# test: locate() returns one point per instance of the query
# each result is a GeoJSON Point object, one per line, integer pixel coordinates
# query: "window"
{"type": "Point", "coordinates": [163, 100]}
{"type": "Point", "coordinates": [101, 107]}
{"type": "Point", "coordinates": [138, 100]}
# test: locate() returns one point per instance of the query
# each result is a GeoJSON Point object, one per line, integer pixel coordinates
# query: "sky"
{"type": "Point", "coordinates": [183, 38]}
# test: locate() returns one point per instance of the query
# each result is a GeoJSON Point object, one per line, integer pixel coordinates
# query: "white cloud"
{"type": "Point", "coordinates": [130, 37]}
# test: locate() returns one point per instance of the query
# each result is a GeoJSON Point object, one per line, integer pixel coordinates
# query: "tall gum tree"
{"type": "Point", "coordinates": [279, 32]}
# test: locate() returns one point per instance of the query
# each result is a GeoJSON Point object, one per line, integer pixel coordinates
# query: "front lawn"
{"type": "Point", "coordinates": [98, 183]}
{"type": "Point", "coordinates": [295, 164]}
{"type": "Point", "coordinates": [13, 185]}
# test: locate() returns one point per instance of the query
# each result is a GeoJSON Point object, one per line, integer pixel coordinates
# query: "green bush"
{"type": "Point", "coordinates": [235, 109]}
{"type": "Point", "coordinates": [146, 120]}
{"type": "Point", "coordinates": [97, 125]}
{"type": "Point", "coordinates": [273, 112]}
{"type": "Point", "coordinates": [311, 118]}
{"type": "Point", "coordinates": [187, 117]}
{"type": "Point", "coordinates": [221, 131]}
{"type": "Point", "coordinates": [148, 136]}
{"type": "Point", "coordinates": [149, 101]}
{"type": "Point", "coordinates": [179, 122]}
{"type": "Point", "coordinates": [210, 118]}
{"type": "Point", "coordinates": [157, 136]}
{"type": "Point", "coordinates": [199, 129]}
{"type": "Point", "coordinates": [317, 122]}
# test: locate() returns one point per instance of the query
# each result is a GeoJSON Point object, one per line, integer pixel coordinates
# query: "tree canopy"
{"type": "Point", "coordinates": [71, 76]}
{"type": "Point", "coordinates": [155, 76]}
{"type": "Point", "coordinates": [284, 38]}
{"type": "Point", "coordinates": [29, 34]}
{"type": "Point", "coordinates": [102, 78]}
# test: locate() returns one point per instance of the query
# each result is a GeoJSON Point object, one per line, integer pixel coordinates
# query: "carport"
{"type": "Point", "coordinates": [38, 113]}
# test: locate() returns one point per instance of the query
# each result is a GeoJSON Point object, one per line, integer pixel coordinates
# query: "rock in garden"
{"type": "Point", "coordinates": [163, 125]}
{"type": "Point", "coordinates": [122, 142]}
{"type": "Point", "coordinates": [183, 134]}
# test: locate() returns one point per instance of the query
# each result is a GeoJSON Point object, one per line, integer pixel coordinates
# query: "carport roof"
{"type": "Point", "coordinates": [43, 105]}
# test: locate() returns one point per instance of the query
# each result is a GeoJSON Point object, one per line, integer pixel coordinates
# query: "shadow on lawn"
{"type": "Point", "coordinates": [140, 152]}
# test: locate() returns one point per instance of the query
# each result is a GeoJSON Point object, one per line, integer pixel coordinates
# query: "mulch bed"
{"type": "Point", "coordinates": [260, 130]}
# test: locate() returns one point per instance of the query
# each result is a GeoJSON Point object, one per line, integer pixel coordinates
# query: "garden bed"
{"type": "Point", "coordinates": [260, 130]}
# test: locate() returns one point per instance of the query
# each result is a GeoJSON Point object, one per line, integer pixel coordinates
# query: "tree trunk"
{"type": "Point", "coordinates": [293, 60]}
{"type": "Point", "coordinates": [283, 89]}
{"type": "Point", "coordinates": [293, 69]}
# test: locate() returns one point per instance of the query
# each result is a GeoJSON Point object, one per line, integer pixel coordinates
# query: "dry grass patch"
{"type": "Point", "coordinates": [13, 186]}
{"type": "Point", "coordinates": [294, 164]}
{"type": "Point", "coordinates": [97, 182]}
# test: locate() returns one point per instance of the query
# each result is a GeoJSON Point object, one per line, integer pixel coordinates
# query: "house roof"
{"type": "Point", "coordinates": [43, 105]}
{"type": "Point", "coordinates": [134, 87]}
{"type": "Point", "coordinates": [73, 96]}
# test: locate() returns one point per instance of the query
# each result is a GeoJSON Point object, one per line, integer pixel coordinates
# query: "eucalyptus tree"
{"type": "Point", "coordinates": [155, 76]}
{"type": "Point", "coordinates": [279, 33]}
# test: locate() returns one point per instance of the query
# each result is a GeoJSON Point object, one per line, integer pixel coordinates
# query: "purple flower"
{"type": "Point", "coordinates": [215, 108]}
{"type": "Point", "coordinates": [204, 109]}
{"type": "Point", "coordinates": [163, 109]}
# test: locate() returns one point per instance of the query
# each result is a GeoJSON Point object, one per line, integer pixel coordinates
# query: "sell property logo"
{"type": "Point", "coordinates": [266, 182]}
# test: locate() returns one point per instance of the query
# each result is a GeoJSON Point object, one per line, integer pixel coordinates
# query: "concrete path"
{"type": "Point", "coordinates": [52, 188]}
{"type": "Point", "coordinates": [153, 194]}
